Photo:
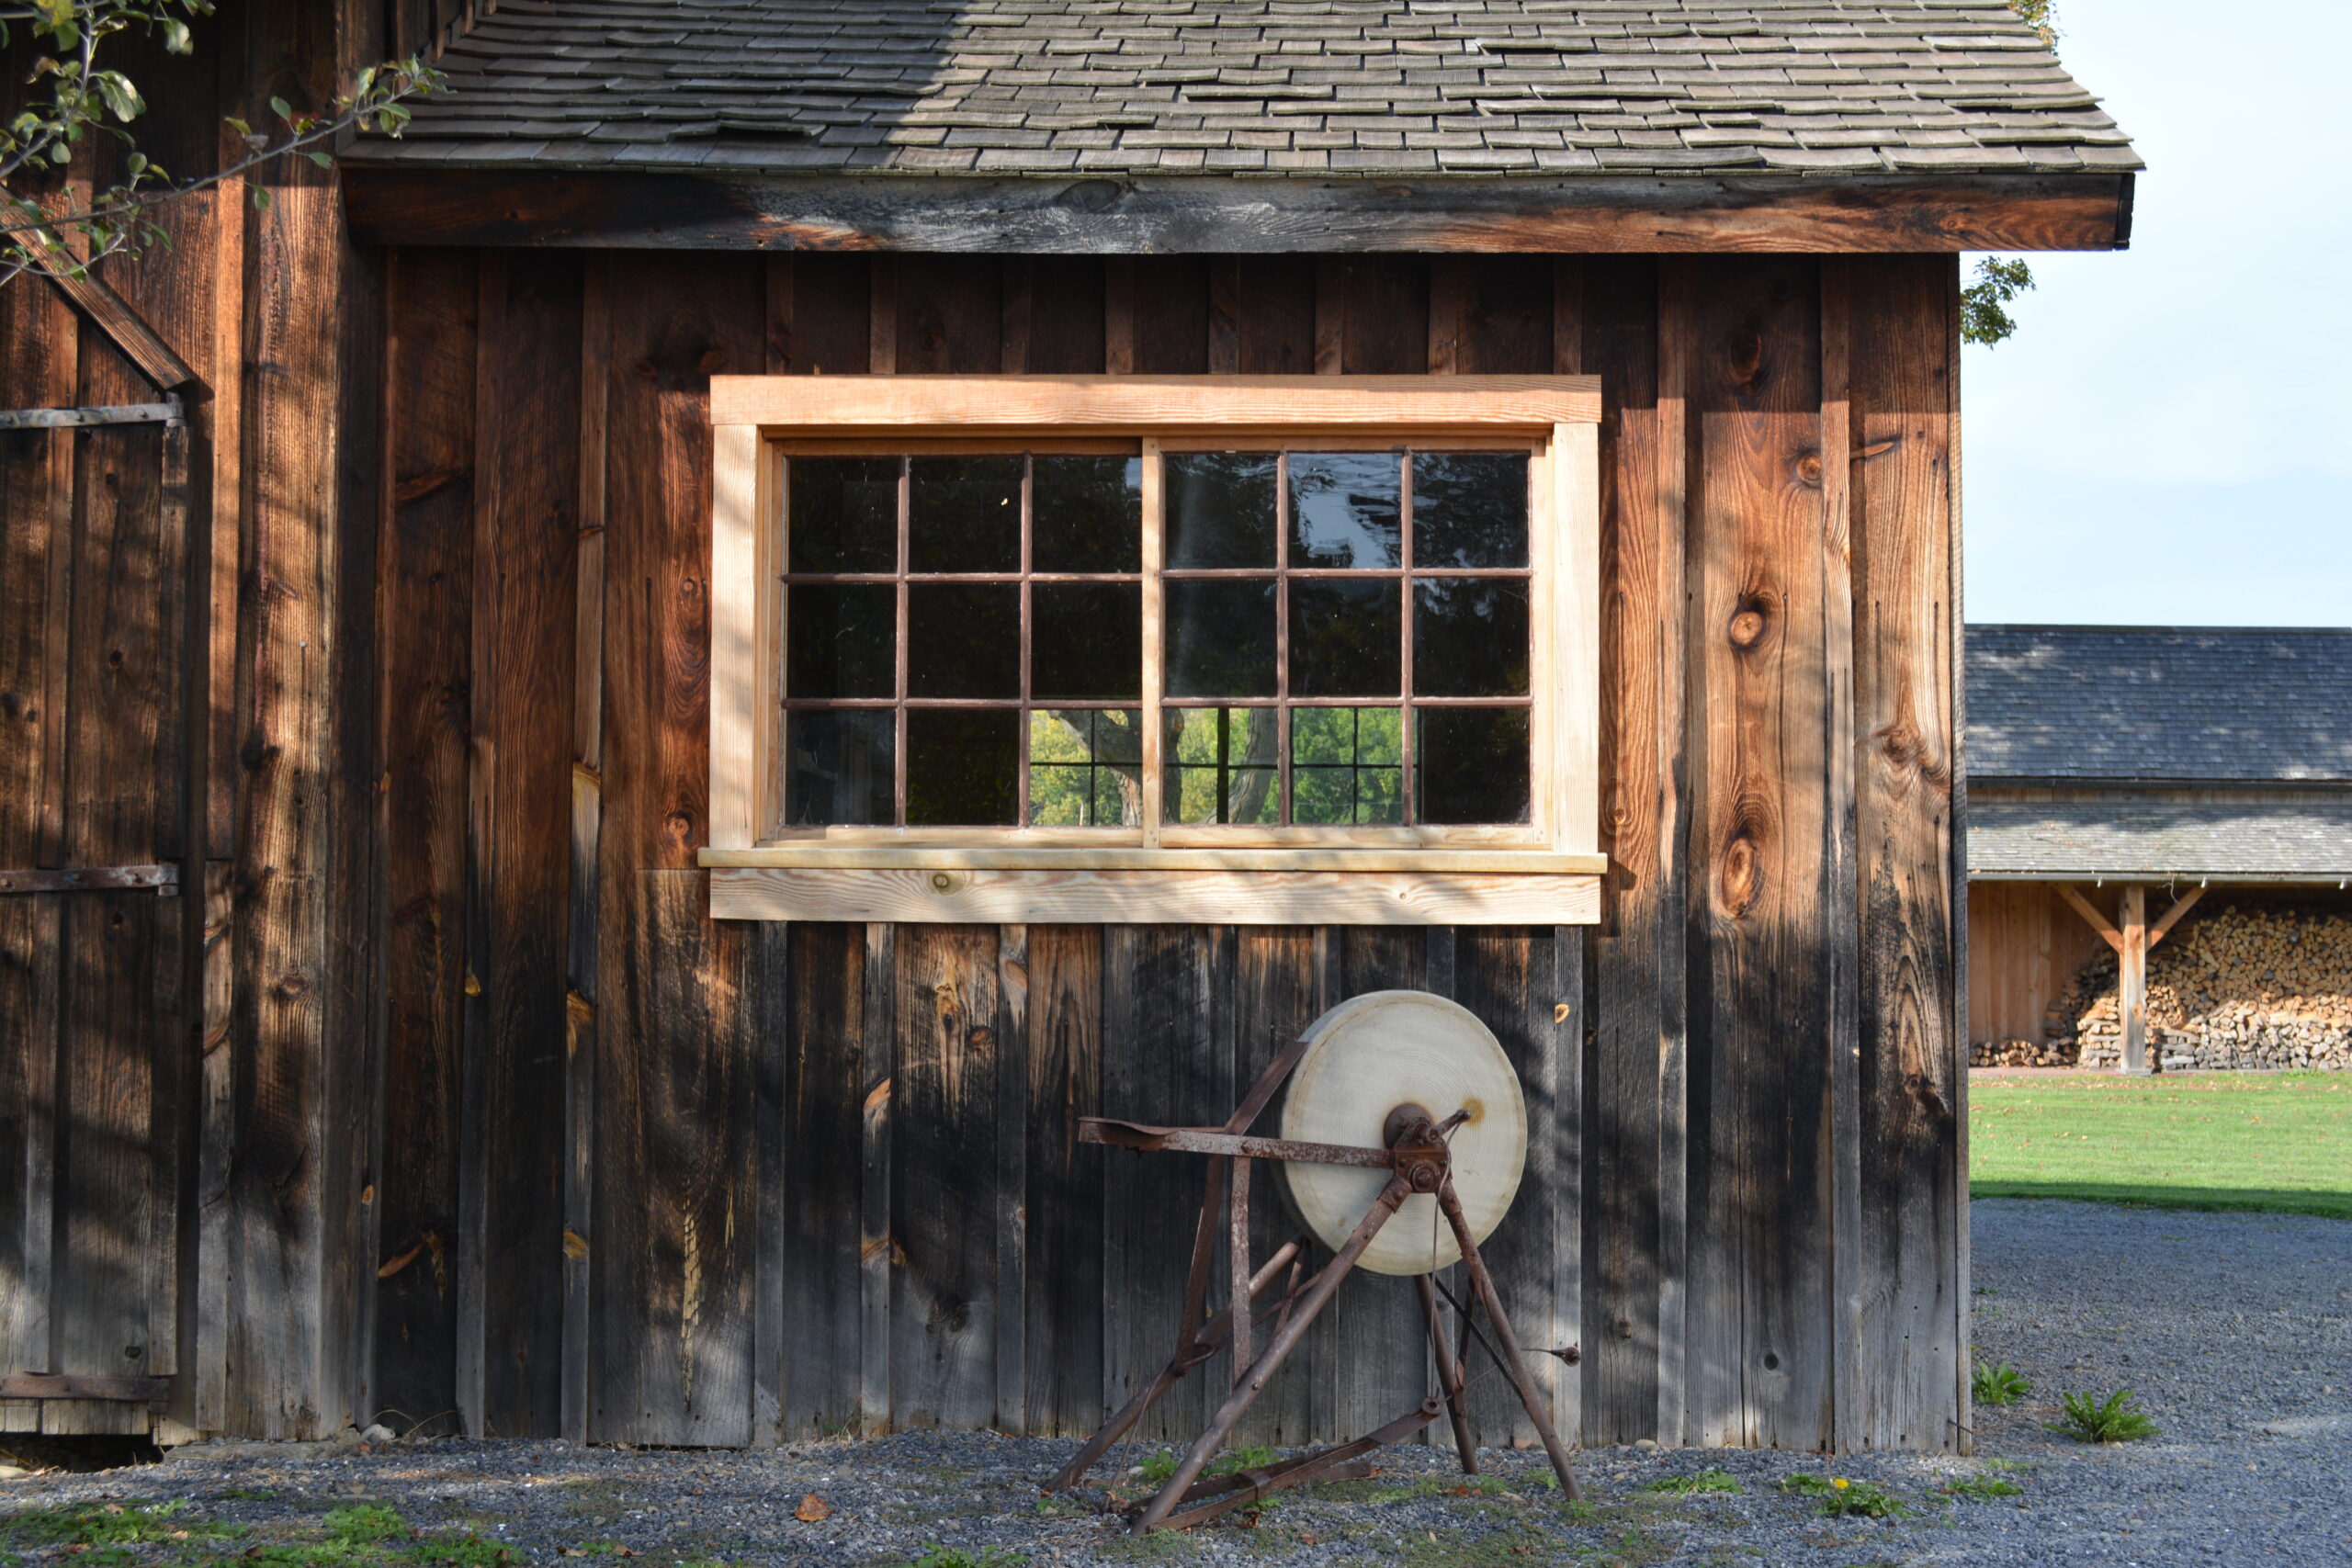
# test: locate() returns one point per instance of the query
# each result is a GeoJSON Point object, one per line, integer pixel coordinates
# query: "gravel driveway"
{"type": "Point", "coordinates": [2236, 1330]}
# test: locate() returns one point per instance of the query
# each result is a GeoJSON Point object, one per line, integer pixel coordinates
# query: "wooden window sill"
{"type": "Point", "coordinates": [1087, 887]}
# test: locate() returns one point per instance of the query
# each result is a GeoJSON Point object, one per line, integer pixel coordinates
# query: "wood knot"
{"type": "Point", "coordinates": [1808, 469]}
{"type": "Point", "coordinates": [1749, 622]}
{"type": "Point", "coordinates": [712, 361]}
{"type": "Point", "coordinates": [1737, 881]}
{"type": "Point", "coordinates": [1747, 361]}
{"type": "Point", "coordinates": [981, 1037]}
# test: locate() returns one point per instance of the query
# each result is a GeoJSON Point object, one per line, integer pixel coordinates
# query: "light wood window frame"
{"type": "Point", "coordinates": [1543, 872]}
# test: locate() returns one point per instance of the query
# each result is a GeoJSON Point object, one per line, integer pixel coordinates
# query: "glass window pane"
{"type": "Point", "coordinates": [1470, 765]}
{"type": "Point", "coordinates": [1086, 515]}
{"type": "Point", "coordinates": [1345, 637]}
{"type": "Point", "coordinates": [1221, 638]}
{"type": "Point", "coordinates": [843, 514]}
{"type": "Point", "coordinates": [963, 640]}
{"type": "Point", "coordinates": [1344, 508]}
{"type": "Point", "coordinates": [838, 767]}
{"type": "Point", "coordinates": [963, 767]}
{"type": "Point", "coordinates": [841, 640]}
{"type": "Point", "coordinates": [1345, 766]}
{"type": "Point", "coordinates": [1086, 640]}
{"type": "Point", "coordinates": [1219, 509]}
{"type": "Point", "coordinates": [1470, 637]}
{"type": "Point", "coordinates": [1085, 768]}
{"type": "Point", "coordinates": [1470, 509]}
{"type": "Point", "coordinates": [1221, 765]}
{"type": "Point", "coordinates": [963, 515]}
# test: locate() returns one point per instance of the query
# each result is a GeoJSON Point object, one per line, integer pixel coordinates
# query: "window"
{"type": "Point", "coordinates": [1013, 630]}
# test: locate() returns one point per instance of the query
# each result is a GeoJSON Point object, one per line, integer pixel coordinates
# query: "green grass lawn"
{"type": "Point", "coordinates": [2279, 1143]}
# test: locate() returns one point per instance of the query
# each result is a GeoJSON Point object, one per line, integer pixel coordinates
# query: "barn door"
{"type": "Point", "coordinates": [93, 930]}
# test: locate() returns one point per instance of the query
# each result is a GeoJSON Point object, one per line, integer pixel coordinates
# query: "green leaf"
{"type": "Point", "coordinates": [261, 197]}
{"type": "Point", "coordinates": [321, 160]}
{"type": "Point", "coordinates": [283, 110]}
{"type": "Point", "coordinates": [239, 126]}
{"type": "Point", "coordinates": [176, 36]}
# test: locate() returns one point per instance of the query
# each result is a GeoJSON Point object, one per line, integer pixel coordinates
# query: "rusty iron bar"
{"type": "Point", "coordinates": [1210, 1141]}
{"type": "Point", "coordinates": [1278, 1349]}
{"type": "Point", "coordinates": [1449, 1376]}
{"type": "Point", "coordinates": [1338, 1462]}
{"type": "Point", "coordinates": [1515, 1366]}
{"type": "Point", "coordinates": [1190, 1351]}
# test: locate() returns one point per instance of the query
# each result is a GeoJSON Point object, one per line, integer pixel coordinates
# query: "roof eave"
{"type": "Point", "coordinates": [401, 200]}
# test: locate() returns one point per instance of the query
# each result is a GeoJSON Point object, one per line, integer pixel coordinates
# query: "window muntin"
{"type": "Point", "coordinates": [1346, 637]}
{"type": "Point", "coordinates": [965, 629]}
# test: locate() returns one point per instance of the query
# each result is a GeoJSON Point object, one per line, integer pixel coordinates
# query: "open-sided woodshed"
{"type": "Point", "coordinates": [674, 819]}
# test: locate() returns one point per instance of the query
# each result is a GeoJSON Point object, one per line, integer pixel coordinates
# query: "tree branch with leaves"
{"type": "Point", "coordinates": [77, 99]}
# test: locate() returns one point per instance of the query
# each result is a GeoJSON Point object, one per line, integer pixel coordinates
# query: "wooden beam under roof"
{"type": "Point", "coordinates": [394, 204]}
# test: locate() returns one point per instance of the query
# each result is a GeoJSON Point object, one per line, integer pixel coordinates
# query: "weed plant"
{"type": "Point", "coordinates": [1840, 1498]}
{"type": "Point", "coordinates": [1981, 1488]}
{"type": "Point", "coordinates": [2118, 1418]}
{"type": "Point", "coordinates": [957, 1557]}
{"type": "Point", "coordinates": [1714, 1477]}
{"type": "Point", "coordinates": [2000, 1383]}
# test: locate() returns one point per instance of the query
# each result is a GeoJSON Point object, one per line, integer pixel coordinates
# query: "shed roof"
{"type": "Point", "coordinates": [2156, 841]}
{"type": "Point", "coordinates": [1840, 88]}
{"type": "Point", "coordinates": [2223, 704]}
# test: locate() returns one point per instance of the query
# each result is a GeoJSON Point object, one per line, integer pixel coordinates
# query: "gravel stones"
{"type": "Point", "coordinates": [2234, 1330]}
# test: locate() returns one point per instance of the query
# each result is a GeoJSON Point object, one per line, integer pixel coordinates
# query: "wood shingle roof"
{"type": "Point", "coordinates": [1837, 88]}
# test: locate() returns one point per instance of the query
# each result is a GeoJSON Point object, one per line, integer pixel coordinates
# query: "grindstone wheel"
{"type": "Point", "coordinates": [1365, 1058]}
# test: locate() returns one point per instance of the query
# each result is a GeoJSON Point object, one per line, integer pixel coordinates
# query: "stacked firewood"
{"type": "Point", "coordinates": [2240, 987]}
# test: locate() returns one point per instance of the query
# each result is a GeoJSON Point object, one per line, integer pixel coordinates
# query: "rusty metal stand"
{"type": "Point", "coordinates": [1418, 1160]}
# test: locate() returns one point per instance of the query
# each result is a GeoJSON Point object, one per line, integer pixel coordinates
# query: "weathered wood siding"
{"type": "Point", "coordinates": [825, 1176]}
{"type": "Point", "coordinates": [478, 1119]}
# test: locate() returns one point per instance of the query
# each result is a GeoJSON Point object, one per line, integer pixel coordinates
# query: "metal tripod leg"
{"type": "Point", "coordinates": [1506, 1342]}
{"type": "Point", "coordinates": [1449, 1376]}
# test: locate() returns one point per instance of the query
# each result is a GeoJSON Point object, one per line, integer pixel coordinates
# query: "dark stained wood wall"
{"type": "Point", "coordinates": [651, 1178]}
{"type": "Point", "coordinates": [456, 1110]}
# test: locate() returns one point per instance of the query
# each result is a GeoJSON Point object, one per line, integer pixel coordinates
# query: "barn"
{"type": "Point", "coordinates": [2136, 786]}
{"type": "Point", "coordinates": [582, 812]}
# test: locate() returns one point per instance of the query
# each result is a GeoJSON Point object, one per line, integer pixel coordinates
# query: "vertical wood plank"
{"type": "Point", "coordinates": [1119, 316]}
{"type": "Point", "coordinates": [1376, 1319]}
{"type": "Point", "coordinates": [1225, 315]}
{"type": "Point", "coordinates": [950, 314]}
{"type": "Point", "coordinates": [670, 1288]}
{"type": "Point", "coordinates": [833, 317]}
{"type": "Point", "coordinates": [428, 565]}
{"type": "Point", "coordinates": [583, 944]}
{"type": "Point", "coordinates": [1067, 318]}
{"type": "Point", "coordinates": [1758, 1303]}
{"type": "Point", "coordinates": [1063, 1286]}
{"type": "Point", "coordinates": [1504, 321]}
{"type": "Point", "coordinates": [882, 342]}
{"type": "Point", "coordinates": [1385, 313]}
{"type": "Point", "coordinates": [823, 1156]}
{"type": "Point", "coordinates": [1634, 1161]}
{"type": "Point", "coordinates": [1275, 1000]}
{"type": "Point", "coordinates": [1010, 1180]}
{"type": "Point", "coordinates": [277, 1306]}
{"type": "Point", "coordinates": [38, 354]}
{"type": "Point", "coordinates": [1910, 1355]}
{"type": "Point", "coordinates": [675, 1207]}
{"type": "Point", "coordinates": [1172, 315]}
{"type": "Point", "coordinates": [1157, 1060]}
{"type": "Point", "coordinates": [877, 1246]}
{"type": "Point", "coordinates": [526, 590]}
{"type": "Point", "coordinates": [1020, 302]}
{"type": "Point", "coordinates": [771, 992]}
{"type": "Point", "coordinates": [1331, 314]}
{"type": "Point", "coordinates": [1840, 893]}
{"type": "Point", "coordinates": [1276, 304]}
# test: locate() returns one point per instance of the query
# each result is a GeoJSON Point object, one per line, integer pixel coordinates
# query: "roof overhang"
{"type": "Point", "coordinates": [390, 202]}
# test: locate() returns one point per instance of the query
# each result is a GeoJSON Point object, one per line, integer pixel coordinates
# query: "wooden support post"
{"type": "Point", "coordinates": [2131, 994]}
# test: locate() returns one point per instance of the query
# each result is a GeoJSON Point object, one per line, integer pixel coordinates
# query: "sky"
{"type": "Point", "coordinates": [2168, 439]}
